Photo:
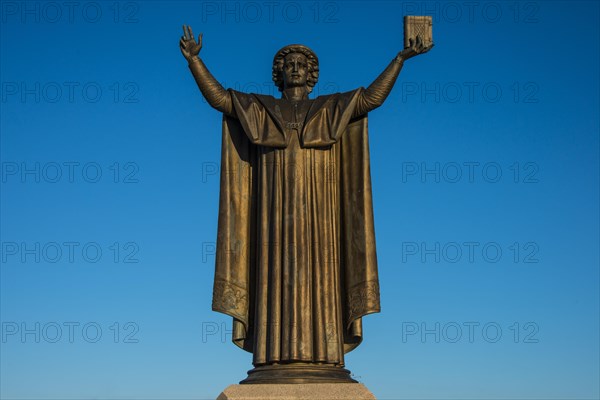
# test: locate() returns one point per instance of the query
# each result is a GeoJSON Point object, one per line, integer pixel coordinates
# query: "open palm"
{"type": "Point", "coordinates": [188, 45]}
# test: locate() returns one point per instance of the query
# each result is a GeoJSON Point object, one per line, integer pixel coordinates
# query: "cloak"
{"type": "Point", "coordinates": [296, 265]}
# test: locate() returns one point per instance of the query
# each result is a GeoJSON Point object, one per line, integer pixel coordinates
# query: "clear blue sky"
{"type": "Point", "coordinates": [485, 167]}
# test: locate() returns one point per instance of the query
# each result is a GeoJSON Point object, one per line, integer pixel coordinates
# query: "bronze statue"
{"type": "Point", "coordinates": [296, 265]}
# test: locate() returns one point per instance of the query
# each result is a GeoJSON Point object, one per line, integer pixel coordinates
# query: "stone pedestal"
{"type": "Point", "coordinates": [307, 391]}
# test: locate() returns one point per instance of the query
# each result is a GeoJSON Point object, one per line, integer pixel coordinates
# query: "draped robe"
{"type": "Point", "coordinates": [296, 266]}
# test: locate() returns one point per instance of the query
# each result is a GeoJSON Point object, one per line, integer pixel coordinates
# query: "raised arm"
{"type": "Point", "coordinates": [211, 89]}
{"type": "Point", "coordinates": [378, 91]}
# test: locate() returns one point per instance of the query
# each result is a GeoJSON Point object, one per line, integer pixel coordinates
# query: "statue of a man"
{"type": "Point", "coordinates": [296, 265]}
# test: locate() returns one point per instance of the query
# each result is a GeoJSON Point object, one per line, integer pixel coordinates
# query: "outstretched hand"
{"type": "Point", "coordinates": [416, 47]}
{"type": "Point", "coordinates": [188, 45]}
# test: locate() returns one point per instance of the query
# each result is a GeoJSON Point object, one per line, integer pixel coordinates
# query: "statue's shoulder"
{"type": "Point", "coordinates": [338, 96]}
{"type": "Point", "coordinates": [264, 96]}
{"type": "Point", "coordinates": [249, 99]}
{"type": "Point", "coordinates": [244, 95]}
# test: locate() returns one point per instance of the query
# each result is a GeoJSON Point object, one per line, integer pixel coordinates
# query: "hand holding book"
{"type": "Point", "coordinates": [415, 48]}
{"type": "Point", "coordinates": [417, 36]}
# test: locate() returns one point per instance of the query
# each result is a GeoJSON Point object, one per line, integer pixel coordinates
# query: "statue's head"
{"type": "Point", "coordinates": [295, 65]}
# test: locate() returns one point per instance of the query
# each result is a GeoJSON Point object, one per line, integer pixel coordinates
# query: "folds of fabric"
{"type": "Point", "coordinates": [296, 265]}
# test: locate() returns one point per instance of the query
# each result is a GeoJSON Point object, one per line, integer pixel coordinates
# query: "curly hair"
{"type": "Point", "coordinates": [313, 65]}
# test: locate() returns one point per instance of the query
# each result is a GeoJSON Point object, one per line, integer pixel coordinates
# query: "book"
{"type": "Point", "coordinates": [418, 25]}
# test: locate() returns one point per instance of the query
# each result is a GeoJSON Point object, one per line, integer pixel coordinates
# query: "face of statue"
{"type": "Point", "coordinates": [295, 70]}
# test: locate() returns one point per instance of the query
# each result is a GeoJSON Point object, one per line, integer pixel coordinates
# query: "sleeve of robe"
{"type": "Point", "coordinates": [328, 122]}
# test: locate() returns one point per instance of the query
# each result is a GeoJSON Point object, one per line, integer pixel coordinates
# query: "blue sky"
{"type": "Point", "coordinates": [485, 163]}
